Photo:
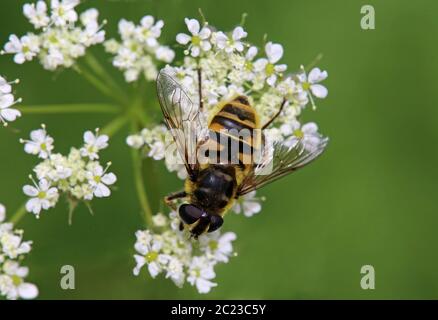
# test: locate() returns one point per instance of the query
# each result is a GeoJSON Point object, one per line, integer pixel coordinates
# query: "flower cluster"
{"type": "Point", "coordinates": [58, 40]}
{"type": "Point", "coordinates": [78, 175]}
{"type": "Point", "coordinates": [155, 143]}
{"type": "Point", "coordinates": [171, 252]}
{"type": "Point", "coordinates": [231, 66]}
{"type": "Point", "coordinates": [12, 250]}
{"type": "Point", "coordinates": [139, 51]}
{"type": "Point", "coordinates": [7, 101]}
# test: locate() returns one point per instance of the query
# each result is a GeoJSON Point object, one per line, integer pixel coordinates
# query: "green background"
{"type": "Point", "coordinates": [371, 199]}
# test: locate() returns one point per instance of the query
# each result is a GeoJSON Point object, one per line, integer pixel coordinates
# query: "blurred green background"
{"type": "Point", "coordinates": [371, 199]}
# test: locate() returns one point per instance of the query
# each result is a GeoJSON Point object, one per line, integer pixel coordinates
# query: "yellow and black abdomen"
{"type": "Point", "coordinates": [235, 132]}
{"type": "Point", "coordinates": [234, 137]}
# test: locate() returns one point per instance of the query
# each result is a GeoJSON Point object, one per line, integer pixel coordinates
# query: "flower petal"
{"type": "Point", "coordinates": [316, 75]}
{"type": "Point", "coordinates": [102, 191]}
{"type": "Point", "coordinates": [182, 38]}
{"type": "Point", "coordinates": [274, 51]}
{"type": "Point", "coordinates": [310, 128]}
{"type": "Point", "coordinates": [205, 33]}
{"type": "Point", "coordinates": [33, 205]}
{"type": "Point", "coordinates": [192, 25]}
{"type": "Point", "coordinates": [89, 137]}
{"type": "Point", "coordinates": [10, 114]}
{"type": "Point", "coordinates": [6, 100]}
{"type": "Point", "coordinates": [109, 178]}
{"type": "Point", "coordinates": [239, 33]}
{"type": "Point", "coordinates": [30, 191]}
{"type": "Point", "coordinates": [27, 291]}
{"type": "Point", "coordinates": [319, 91]}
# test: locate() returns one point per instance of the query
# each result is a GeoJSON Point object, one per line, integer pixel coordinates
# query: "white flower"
{"type": "Point", "coordinates": [198, 38]}
{"type": "Point", "coordinates": [6, 112]}
{"type": "Point", "coordinates": [41, 143]}
{"type": "Point", "coordinates": [274, 52]}
{"type": "Point", "coordinates": [100, 180]}
{"type": "Point", "coordinates": [200, 273]}
{"type": "Point", "coordinates": [311, 82]}
{"type": "Point", "coordinates": [12, 244]}
{"type": "Point", "coordinates": [148, 32]}
{"type": "Point", "coordinates": [175, 271]}
{"type": "Point", "coordinates": [93, 144]}
{"type": "Point", "coordinates": [7, 101]}
{"type": "Point", "coordinates": [5, 86]}
{"type": "Point", "coordinates": [12, 283]}
{"type": "Point", "coordinates": [25, 48]}
{"type": "Point", "coordinates": [92, 33]}
{"type": "Point", "coordinates": [139, 51]}
{"type": "Point", "coordinates": [125, 58]}
{"type": "Point", "coordinates": [165, 54]}
{"type": "Point", "coordinates": [248, 204]}
{"type": "Point", "coordinates": [248, 70]}
{"type": "Point", "coordinates": [43, 196]}
{"type": "Point", "coordinates": [2, 213]}
{"type": "Point", "coordinates": [229, 44]}
{"type": "Point", "coordinates": [150, 255]}
{"type": "Point", "coordinates": [159, 220]}
{"type": "Point", "coordinates": [218, 247]}
{"type": "Point", "coordinates": [135, 141]}
{"type": "Point", "coordinates": [37, 14]}
{"type": "Point", "coordinates": [63, 11]}
{"type": "Point", "coordinates": [59, 41]}
{"type": "Point", "coordinates": [308, 134]}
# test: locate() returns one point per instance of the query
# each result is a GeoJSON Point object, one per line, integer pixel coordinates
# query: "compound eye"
{"type": "Point", "coordinates": [215, 223]}
{"type": "Point", "coordinates": [189, 213]}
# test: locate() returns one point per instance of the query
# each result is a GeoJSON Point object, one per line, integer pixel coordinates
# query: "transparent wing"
{"type": "Point", "coordinates": [283, 161]}
{"type": "Point", "coordinates": [182, 118]}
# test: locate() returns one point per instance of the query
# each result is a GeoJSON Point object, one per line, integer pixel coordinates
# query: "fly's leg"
{"type": "Point", "coordinates": [170, 199]}
{"type": "Point", "coordinates": [275, 116]}
{"type": "Point", "coordinates": [201, 99]}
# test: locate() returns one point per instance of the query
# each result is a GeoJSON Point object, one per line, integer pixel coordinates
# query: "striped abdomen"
{"type": "Point", "coordinates": [234, 132]}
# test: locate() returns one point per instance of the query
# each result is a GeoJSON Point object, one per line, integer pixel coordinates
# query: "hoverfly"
{"type": "Point", "coordinates": [211, 188]}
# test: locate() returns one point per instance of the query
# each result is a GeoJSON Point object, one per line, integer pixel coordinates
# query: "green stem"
{"type": "Point", "coordinates": [16, 217]}
{"type": "Point", "coordinates": [70, 108]}
{"type": "Point", "coordinates": [97, 67]}
{"type": "Point", "coordinates": [140, 187]}
{"type": "Point", "coordinates": [101, 86]}
{"type": "Point", "coordinates": [114, 125]}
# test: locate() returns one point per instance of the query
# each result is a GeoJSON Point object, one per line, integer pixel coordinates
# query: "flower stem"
{"type": "Point", "coordinates": [16, 217]}
{"type": "Point", "coordinates": [140, 187]}
{"type": "Point", "coordinates": [99, 84]}
{"type": "Point", "coordinates": [99, 70]}
{"type": "Point", "coordinates": [114, 125]}
{"type": "Point", "coordinates": [70, 108]}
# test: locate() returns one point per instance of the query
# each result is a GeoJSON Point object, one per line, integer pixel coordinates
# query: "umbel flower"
{"type": "Point", "coordinates": [172, 253]}
{"type": "Point", "coordinates": [229, 66]}
{"type": "Point", "coordinates": [139, 52]}
{"type": "Point", "coordinates": [61, 34]}
{"type": "Point", "coordinates": [78, 175]}
{"type": "Point", "coordinates": [7, 101]}
{"type": "Point", "coordinates": [12, 251]}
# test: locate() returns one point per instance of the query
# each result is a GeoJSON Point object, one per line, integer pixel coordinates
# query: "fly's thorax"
{"type": "Point", "coordinates": [214, 189]}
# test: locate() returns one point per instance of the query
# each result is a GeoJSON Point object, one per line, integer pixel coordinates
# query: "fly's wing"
{"type": "Point", "coordinates": [282, 161]}
{"type": "Point", "coordinates": [182, 118]}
